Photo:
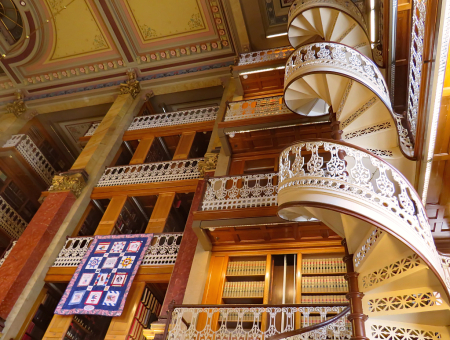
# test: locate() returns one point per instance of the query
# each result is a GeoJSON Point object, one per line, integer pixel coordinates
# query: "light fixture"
{"type": "Point", "coordinates": [263, 70]}
{"type": "Point", "coordinates": [276, 35]}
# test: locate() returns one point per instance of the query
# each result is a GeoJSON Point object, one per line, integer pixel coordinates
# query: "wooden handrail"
{"type": "Point", "coordinates": [309, 328]}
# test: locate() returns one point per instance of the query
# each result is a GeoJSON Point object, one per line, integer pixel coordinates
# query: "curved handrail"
{"type": "Point", "coordinates": [338, 58]}
{"type": "Point", "coordinates": [367, 180]}
{"type": "Point", "coordinates": [310, 328]}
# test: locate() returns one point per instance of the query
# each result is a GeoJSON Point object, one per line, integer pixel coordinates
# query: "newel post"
{"type": "Point", "coordinates": [356, 316]}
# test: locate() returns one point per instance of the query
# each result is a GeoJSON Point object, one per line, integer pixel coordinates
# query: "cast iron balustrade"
{"type": "Point", "coordinates": [150, 172]}
{"type": "Point", "coordinates": [241, 192]}
{"type": "Point", "coordinates": [163, 250]}
{"type": "Point", "coordinates": [278, 53]}
{"type": "Point", "coordinates": [168, 119]}
{"type": "Point", "coordinates": [34, 157]}
{"type": "Point", "coordinates": [268, 322]}
{"type": "Point", "coordinates": [256, 108]}
{"type": "Point", "coordinates": [339, 171]}
{"type": "Point", "coordinates": [10, 221]}
{"type": "Point", "coordinates": [7, 251]}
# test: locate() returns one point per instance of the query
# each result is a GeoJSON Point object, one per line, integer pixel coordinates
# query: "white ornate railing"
{"type": "Point", "coordinates": [361, 176]}
{"type": "Point", "coordinates": [10, 221]}
{"type": "Point", "coordinates": [5, 255]}
{"type": "Point", "coordinates": [245, 322]}
{"type": "Point", "coordinates": [91, 130]}
{"type": "Point", "coordinates": [150, 172]}
{"type": "Point", "coordinates": [163, 250]}
{"type": "Point", "coordinates": [255, 108]}
{"type": "Point", "coordinates": [73, 251]}
{"type": "Point", "coordinates": [168, 119]}
{"type": "Point", "coordinates": [445, 261]}
{"type": "Point", "coordinates": [241, 192]}
{"type": "Point", "coordinates": [350, 63]}
{"type": "Point", "coordinates": [34, 157]}
{"type": "Point", "coordinates": [279, 53]}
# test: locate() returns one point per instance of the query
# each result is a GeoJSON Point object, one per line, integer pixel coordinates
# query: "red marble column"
{"type": "Point", "coordinates": [31, 246]}
{"type": "Point", "coordinates": [180, 275]}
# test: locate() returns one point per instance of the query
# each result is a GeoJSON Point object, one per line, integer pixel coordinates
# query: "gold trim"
{"type": "Point", "coordinates": [73, 182]}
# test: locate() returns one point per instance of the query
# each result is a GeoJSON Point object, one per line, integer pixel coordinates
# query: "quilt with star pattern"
{"type": "Point", "coordinates": [103, 279]}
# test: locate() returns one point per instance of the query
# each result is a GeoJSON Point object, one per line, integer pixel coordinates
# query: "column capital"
{"type": "Point", "coordinates": [209, 164]}
{"type": "Point", "coordinates": [131, 86]}
{"type": "Point", "coordinates": [72, 180]}
{"type": "Point", "coordinates": [18, 107]}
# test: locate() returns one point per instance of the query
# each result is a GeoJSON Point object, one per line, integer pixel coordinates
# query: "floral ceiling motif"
{"type": "Point", "coordinates": [167, 19]}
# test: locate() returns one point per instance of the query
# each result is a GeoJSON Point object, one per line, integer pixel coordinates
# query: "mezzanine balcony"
{"type": "Point", "coordinates": [163, 124]}
{"type": "Point", "coordinates": [161, 253]}
{"type": "Point", "coordinates": [180, 175]}
{"type": "Point", "coordinates": [11, 223]}
{"type": "Point", "coordinates": [257, 322]}
{"type": "Point", "coordinates": [22, 154]}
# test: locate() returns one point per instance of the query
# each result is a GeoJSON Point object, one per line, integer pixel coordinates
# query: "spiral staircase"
{"type": "Point", "coordinates": [360, 186]}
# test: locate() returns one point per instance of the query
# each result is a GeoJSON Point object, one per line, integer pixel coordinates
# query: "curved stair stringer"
{"type": "Point", "coordinates": [328, 199]}
{"type": "Point", "coordinates": [353, 86]}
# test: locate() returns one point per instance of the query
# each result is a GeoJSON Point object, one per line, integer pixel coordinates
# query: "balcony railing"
{"type": "Point", "coordinates": [198, 322]}
{"type": "Point", "coordinates": [150, 172]}
{"type": "Point", "coordinates": [168, 119]}
{"type": "Point", "coordinates": [241, 192]}
{"type": "Point", "coordinates": [256, 108]}
{"type": "Point", "coordinates": [163, 250]}
{"type": "Point", "coordinates": [10, 221]}
{"type": "Point", "coordinates": [279, 53]}
{"type": "Point", "coordinates": [34, 157]}
{"type": "Point", "coordinates": [376, 189]}
{"type": "Point", "coordinates": [6, 253]}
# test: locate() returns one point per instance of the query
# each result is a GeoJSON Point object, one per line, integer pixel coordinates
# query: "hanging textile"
{"type": "Point", "coordinates": [103, 279]}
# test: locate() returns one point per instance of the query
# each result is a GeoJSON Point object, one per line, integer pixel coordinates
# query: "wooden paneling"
{"type": "Point", "coordinates": [142, 150]}
{"type": "Point", "coordinates": [111, 215]}
{"type": "Point", "coordinates": [160, 213]}
{"type": "Point", "coordinates": [168, 130]}
{"type": "Point", "coordinates": [260, 234]}
{"type": "Point", "coordinates": [275, 140]}
{"type": "Point", "coordinates": [58, 327]}
{"type": "Point", "coordinates": [120, 325]}
{"type": "Point", "coordinates": [263, 83]}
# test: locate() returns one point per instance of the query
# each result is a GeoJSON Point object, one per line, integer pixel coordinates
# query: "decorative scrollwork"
{"type": "Point", "coordinates": [245, 323]}
{"type": "Point", "coordinates": [367, 178]}
{"type": "Point", "coordinates": [407, 301]}
{"type": "Point", "coordinates": [279, 53]}
{"type": "Point", "coordinates": [241, 192]}
{"type": "Point", "coordinates": [255, 108]}
{"type": "Point", "coordinates": [150, 172]}
{"type": "Point", "coordinates": [10, 221]}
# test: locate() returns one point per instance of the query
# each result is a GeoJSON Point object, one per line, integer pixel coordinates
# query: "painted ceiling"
{"type": "Point", "coordinates": [77, 45]}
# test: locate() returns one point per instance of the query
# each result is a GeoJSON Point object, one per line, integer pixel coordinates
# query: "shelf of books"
{"type": "Point", "coordinates": [146, 312]}
{"type": "Point", "coordinates": [87, 327]}
{"type": "Point", "coordinates": [41, 319]}
{"type": "Point", "coordinates": [245, 280]}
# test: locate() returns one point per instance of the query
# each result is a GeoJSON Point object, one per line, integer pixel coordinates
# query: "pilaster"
{"type": "Point", "coordinates": [89, 167]}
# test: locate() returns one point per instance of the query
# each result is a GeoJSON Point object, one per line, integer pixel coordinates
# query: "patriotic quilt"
{"type": "Point", "coordinates": [103, 279]}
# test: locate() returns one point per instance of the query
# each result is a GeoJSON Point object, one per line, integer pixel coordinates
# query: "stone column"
{"type": "Point", "coordinates": [61, 211]}
{"type": "Point", "coordinates": [180, 275]}
{"type": "Point", "coordinates": [29, 249]}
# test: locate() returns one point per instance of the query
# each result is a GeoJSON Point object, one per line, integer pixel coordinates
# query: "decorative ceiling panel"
{"type": "Point", "coordinates": [167, 19]}
{"type": "Point", "coordinates": [77, 31]}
